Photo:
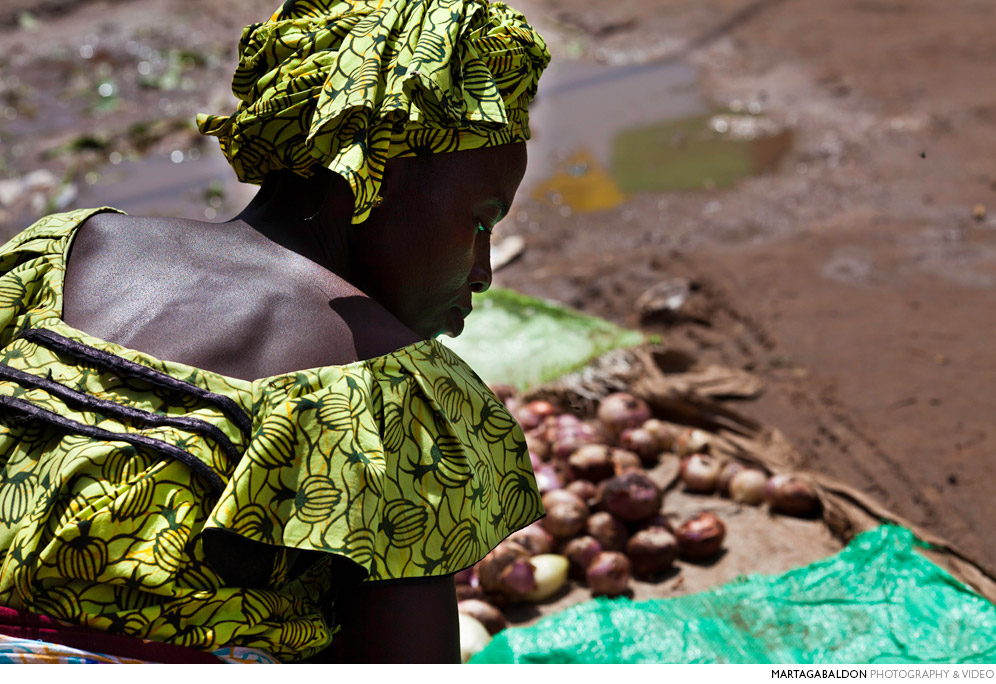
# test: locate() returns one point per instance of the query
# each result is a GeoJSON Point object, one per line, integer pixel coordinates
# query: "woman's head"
{"type": "Point", "coordinates": [426, 249]}
{"type": "Point", "coordinates": [352, 84]}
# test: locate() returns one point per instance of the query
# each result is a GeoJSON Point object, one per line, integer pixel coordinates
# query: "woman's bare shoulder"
{"type": "Point", "coordinates": [219, 297]}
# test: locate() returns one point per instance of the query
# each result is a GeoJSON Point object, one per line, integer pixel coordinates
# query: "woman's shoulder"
{"type": "Point", "coordinates": [219, 297]}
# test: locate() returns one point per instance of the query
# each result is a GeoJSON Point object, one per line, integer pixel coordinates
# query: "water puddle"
{"type": "Point", "coordinates": [601, 132]}
{"type": "Point", "coordinates": [704, 151]}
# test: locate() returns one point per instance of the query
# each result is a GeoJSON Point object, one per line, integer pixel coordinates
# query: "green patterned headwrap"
{"type": "Point", "coordinates": [350, 84]}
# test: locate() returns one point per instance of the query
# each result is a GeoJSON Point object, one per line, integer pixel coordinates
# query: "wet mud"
{"type": "Point", "coordinates": [823, 175]}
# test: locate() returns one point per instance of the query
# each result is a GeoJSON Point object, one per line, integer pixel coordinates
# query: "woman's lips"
{"type": "Point", "coordinates": [455, 320]}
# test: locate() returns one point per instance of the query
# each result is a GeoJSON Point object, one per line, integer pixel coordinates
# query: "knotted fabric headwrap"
{"type": "Point", "coordinates": [349, 84]}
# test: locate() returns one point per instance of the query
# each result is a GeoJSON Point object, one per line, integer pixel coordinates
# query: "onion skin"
{"type": "Point", "coordinates": [537, 445]}
{"type": "Point", "coordinates": [466, 576]}
{"type": "Point", "coordinates": [748, 486]}
{"type": "Point", "coordinates": [567, 440]}
{"type": "Point", "coordinates": [642, 443]}
{"type": "Point", "coordinates": [547, 478]}
{"type": "Point", "coordinates": [503, 392]}
{"type": "Point", "coordinates": [700, 537]}
{"type": "Point", "coordinates": [622, 410]}
{"type": "Point", "coordinates": [482, 611]}
{"type": "Point", "coordinates": [608, 531]}
{"type": "Point", "coordinates": [692, 441]}
{"type": "Point", "coordinates": [624, 461]}
{"type": "Point", "coordinates": [490, 568]}
{"type": "Point", "coordinates": [726, 476]}
{"type": "Point", "coordinates": [662, 432]}
{"type": "Point", "coordinates": [651, 550]}
{"type": "Point", "coordinates": [468, 591]}
{"type": "Point", "coordinates": [792, 496]}
{"type": "Point", "coordinates": [534, 538]}
{"type": "Point", "coordinates": [565, 519]}
{"type": "Point", "coordinates": [592, 462]}
{"type": "Point", "coordinates": [700, 473]}
{"type": "Point", "coordinates": [518, 579]}
{"type": "Point", "coordinates": [473, 637]}
{"type": "Point", "coordinates": [530, 416]}
{"type": "Point", "coordinates": [566, 514]}
{"type": "Point", "coordinates": [551, 575]}
{"type": "Point", "coordinates": [609, 574]}
{"type": "Point", "coordinates": [580, 551]}
{"type": "Point", "coordinates": [584, 490]}
{"type": "Point", "coordinates": [631, 497]}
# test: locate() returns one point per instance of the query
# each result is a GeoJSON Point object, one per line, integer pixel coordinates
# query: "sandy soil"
{"type": "Point", "coordinates": [857, 276]}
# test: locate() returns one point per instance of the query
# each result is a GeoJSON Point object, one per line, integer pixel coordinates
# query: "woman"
{"type": "Point", "coordinates": [242, 438]}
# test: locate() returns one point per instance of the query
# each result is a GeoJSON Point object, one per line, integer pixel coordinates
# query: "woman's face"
{"type": "Point", "coordinates": [427, 248]}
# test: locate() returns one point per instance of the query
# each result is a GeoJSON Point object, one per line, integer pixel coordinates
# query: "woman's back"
{"type": "Point", "coordinates": [222, 297]}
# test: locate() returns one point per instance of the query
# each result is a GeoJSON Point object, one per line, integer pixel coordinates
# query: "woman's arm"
{"type": "Point", "coordinates": [403, 621]}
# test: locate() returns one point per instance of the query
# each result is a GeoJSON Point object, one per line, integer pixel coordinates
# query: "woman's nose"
{"type": "Point", "coordinates": [480, 272]}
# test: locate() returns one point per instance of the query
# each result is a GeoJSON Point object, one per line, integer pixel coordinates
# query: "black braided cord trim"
{"type": "Point", "coordinates": [23, 410]}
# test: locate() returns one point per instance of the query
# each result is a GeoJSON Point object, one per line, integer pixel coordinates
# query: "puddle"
{"type": "Point", "coordinates": [601, 132]}
{"type": "Point", "coordinates": [579, 112]}
{"type": "Point", "coordinates": [703, 151]}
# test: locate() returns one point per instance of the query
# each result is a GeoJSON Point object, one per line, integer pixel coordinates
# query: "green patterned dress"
{"type": "Point", "coordinates": [113, 464]}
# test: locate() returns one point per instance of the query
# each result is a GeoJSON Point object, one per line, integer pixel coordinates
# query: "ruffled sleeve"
{"type": "Point", "coordinates": [407, 465]}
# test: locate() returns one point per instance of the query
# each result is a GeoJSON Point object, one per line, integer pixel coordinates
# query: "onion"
{"type": "Point", "coordinates": [748, 486]}
{"type": "Point", "coordinates": [700, 537]}
{"type": "Point", "coordinates": [518, 579]}
{"type": "Point", "coordinates": [692, 441]}
{"type": "Point", "coordinates": [482, 611]}
{"type": "Point", "coordinates": [662, 432]}
{"type": "Point", "coordinates": [608, 574]}
{"type": "Point", "coordinates": [551, 575]}
{"type": "Point", "coordinates": [608, 530]}
{"type": "Point", "coordinates": [622, 410]}
{"type": "Point", "coordinates": [547, 477]}
{"type": "Point", "coordinates": [567, 440]}
{"type": "Point", "coordinates": [792, 496]}
{"type": "Point", "coordinates": [530, 416]}
{"type": "Point", "coordinates": [651, 550]}
{"type": "Point", "coordinates": [554, 424]}
{"type": "Point", "coordinates": [566, 514]}
{"type": "Point", "coordinates": [466, 591]}
{"type": "Point", "coordinates": [490, 567]}
{"type": "Point", "coordinates": [503, 392]}
{"type": "Point", "coordinates": [631, 497]}
{"type": "Point", "coordinates": [543, 408]}
{"type": "Point", "coordinates": [584, 490]}
{"type": "Point", "coordinates": [537, 445]}
{"type": "Point", "coordinates": [557, 495]}
{"type": "Point", "coordinates": [473, 637]}
{"type": "Point", "coordinates": [726, 475]}
{"type": "Point", "coordinates": [534, 538]}
{"type": "Point", "coordinates": [580, 551]}
{"type": "Point", "coordinates": [592, 462]}
{"type": "Point", "coordinates": [641, 442]}
{"type": "Point", "coordinates": [625, 461]}
{"type": "Point", "coordinates": [466, 576]}
{"type": "Point", "coordinates": [700, 473]}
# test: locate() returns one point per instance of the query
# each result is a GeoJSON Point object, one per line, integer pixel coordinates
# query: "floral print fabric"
{"type": "Point", "coordinates": [351, 83]}
{"type": "Point", "coordinates": [113, 464]}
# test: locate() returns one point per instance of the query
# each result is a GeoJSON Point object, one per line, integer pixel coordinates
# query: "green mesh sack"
{"type": "Point", "coordinates": [877, 601]}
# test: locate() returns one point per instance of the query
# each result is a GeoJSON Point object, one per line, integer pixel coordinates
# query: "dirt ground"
{"type": "Point", "coordinates": [855, 273]}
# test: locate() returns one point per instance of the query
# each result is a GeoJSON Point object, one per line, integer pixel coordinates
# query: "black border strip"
{"type": "Point", "coordinates": [26, 410]}
{"type": "Point", "coordinates": [116, 364]}
{"type": "Point", "coordinates": [142, 418]}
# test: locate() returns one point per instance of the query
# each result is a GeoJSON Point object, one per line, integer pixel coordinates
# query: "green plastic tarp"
{"type": "Point", "coordinates": [877, 601]}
